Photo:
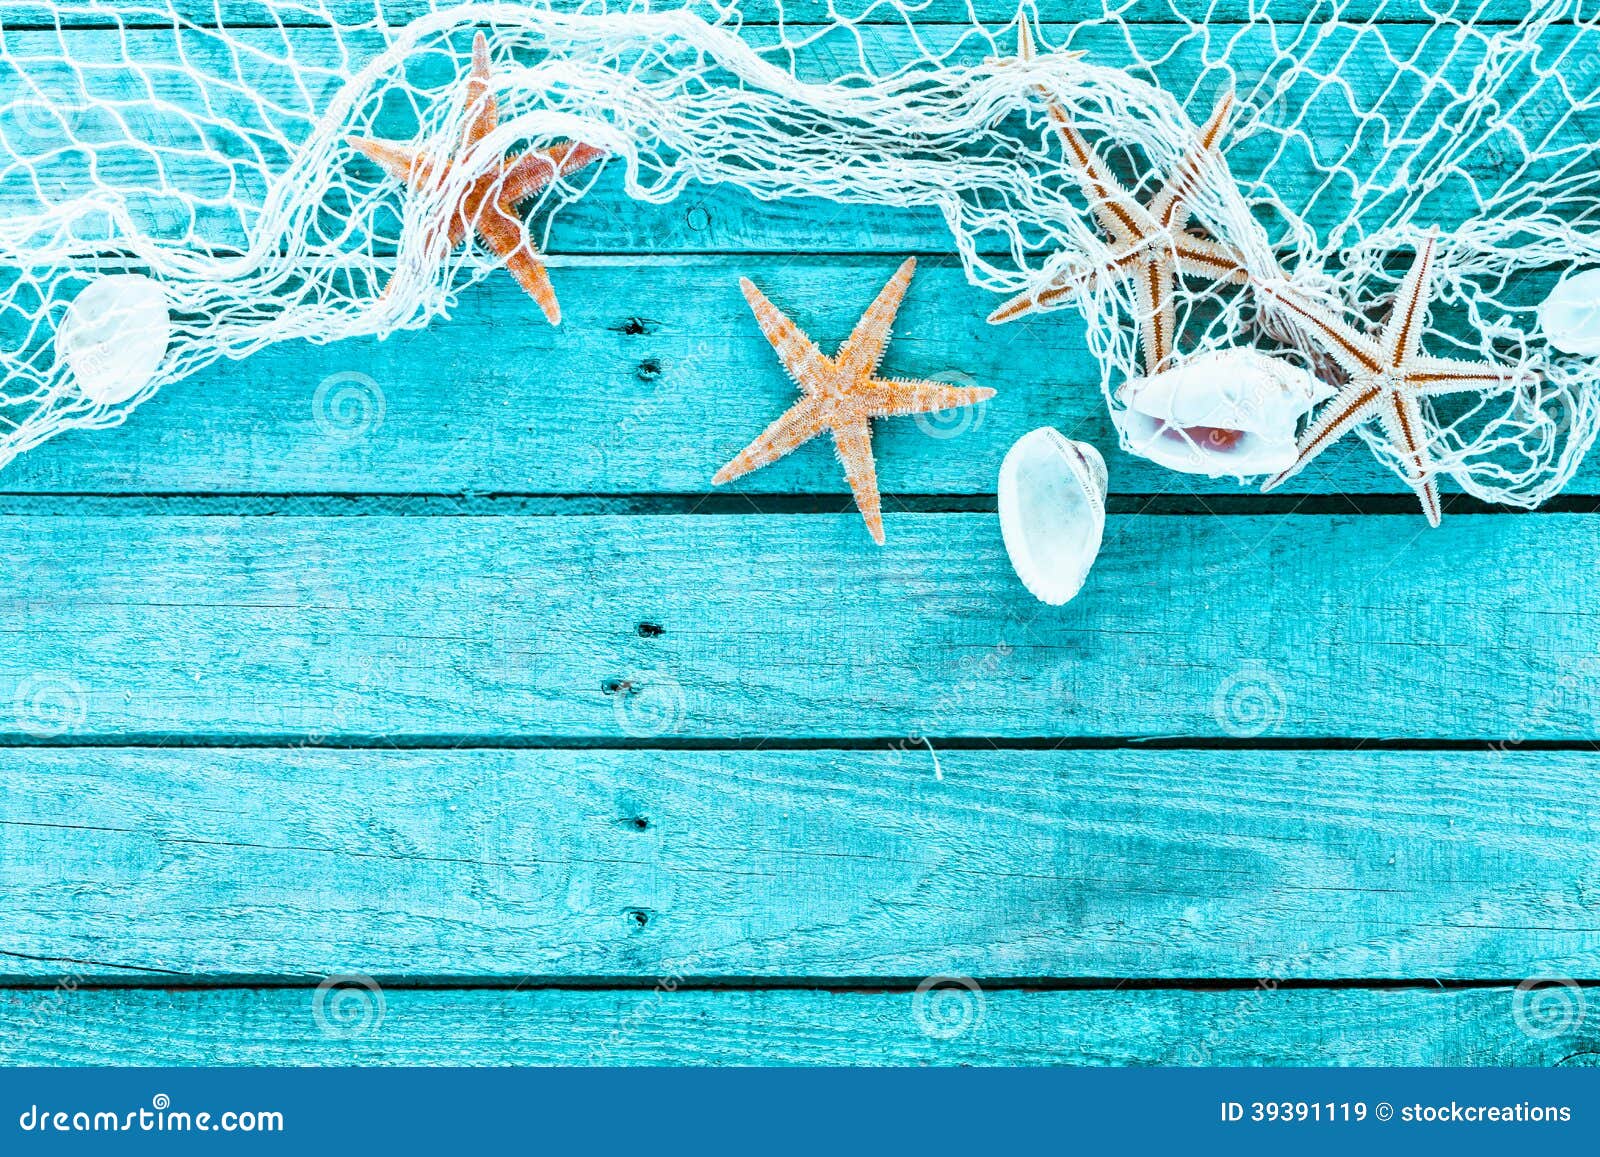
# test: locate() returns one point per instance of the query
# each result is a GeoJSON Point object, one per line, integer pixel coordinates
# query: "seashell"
{"type": "Point", "coordinates": [114, 335]}
{"type": "Point", "coordinates": [1228, 411]}
{"type": "Point", "coordinates": [1570, 316]}
{"type": "Point", "coordinates": [1052, 512]}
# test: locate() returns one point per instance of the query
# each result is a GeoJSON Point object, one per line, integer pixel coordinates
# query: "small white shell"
{"type": "Point", "coordinates": [114, 335]}
{"type": "Point", "coordinates": [1570, 316]}
{"type": "Point", "coordinates": [1052, 512]}
{"type": "Point", "coordinates": [1228, 411]}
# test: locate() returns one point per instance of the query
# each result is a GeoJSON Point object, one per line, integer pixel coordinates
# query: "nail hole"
{"type": "Point", "coordinates": [617, 686]}
{"type": "Point", "coordinates": [650, 630]}
{"type": "Point", "coordinates": [639, 916]}
{"type": "Point", "coordinates": [649, 370]}
{"type": "Point", "coordinates": [634, 326]}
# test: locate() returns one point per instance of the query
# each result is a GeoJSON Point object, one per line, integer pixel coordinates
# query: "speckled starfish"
{"type": "Point", "coordinates": [841, 395]}
{"type": "Point", "coordinates": [1151, 244]}
{"type": "Point", "coordinates": [488, 207]}
{"type": "Point", "coordinates": [1389, 375]}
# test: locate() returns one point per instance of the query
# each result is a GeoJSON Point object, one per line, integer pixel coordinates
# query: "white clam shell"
{"type": "Point", "coordinates": [1570, 316]}
{"type": "Point", "coordinates": [1228, 411]}
{"type": "Point", "coordinates": [114, 335]}
{"type": "Point", "coordinates": [1052, 512]}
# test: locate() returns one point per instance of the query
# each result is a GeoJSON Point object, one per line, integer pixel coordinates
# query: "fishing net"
{"type": "Point", "coordinates": [194, 160]}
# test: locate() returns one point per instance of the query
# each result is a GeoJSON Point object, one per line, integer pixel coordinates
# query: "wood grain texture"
{"type": "Point", "coordinates": [563, 1027]}
{"type": "Point", "coordinates": [850, 865]}
{"type": "Point", "coordinates": [304, 12]}
{"type": "Point", "coordinates": [1377, 65]}
{"type": "Point", "coordinates": [657, 377]}
{"type": "Point", "coordinates": [430, 629]}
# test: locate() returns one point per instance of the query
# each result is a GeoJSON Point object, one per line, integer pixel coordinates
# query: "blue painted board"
{"type": "Point", "coordinates": [826, 866]}
{"type": "Point", "coordinates": [502, 628]}
{"type": "Point", "coordinates": [657, 376]}
{"type": "Point", "coordinates": [1254, 1025]}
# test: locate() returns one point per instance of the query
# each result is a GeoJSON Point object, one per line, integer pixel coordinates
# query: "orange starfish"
{"type": "Point", "coordinates": [841, 394]}
{"type": "Point", "coordinates": [488, 207]}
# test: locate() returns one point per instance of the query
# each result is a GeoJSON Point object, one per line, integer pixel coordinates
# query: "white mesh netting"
{"type": "Point", "coordinates": [205, 144]}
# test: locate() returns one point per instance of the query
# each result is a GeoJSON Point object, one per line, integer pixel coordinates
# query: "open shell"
{"type": "Point", "coordinates": [114, 336]}
{"type": "Point", "coordinates": [1052, 512]}
{"type": "Point", "coordinates": [1570, 316]}
{"type": "Point", "coordinates": [1224, 412]}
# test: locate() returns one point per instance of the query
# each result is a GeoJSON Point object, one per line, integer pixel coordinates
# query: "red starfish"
{"type": "Point", "coordinates": [488, 207]}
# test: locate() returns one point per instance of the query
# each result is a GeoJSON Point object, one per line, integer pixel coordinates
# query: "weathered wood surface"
{"type": "Point", "coordinates": [1261, 1026]}
{"type": "Point", "coordinates": [657, 377]}
{"type": "Point", "coordinates": [797, 626]}
{"type": "Point", "coordinates": [846, 865]}
{"type": "Point", "coordinates": [1376, 65]}
{"type": "Point", "coordinates": [1000, 12]}
{"type": "Point", "coordinates": [492, 856]}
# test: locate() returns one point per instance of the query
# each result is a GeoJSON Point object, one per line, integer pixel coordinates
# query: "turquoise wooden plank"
{"type": "Point", "coordinates": [236, 12]}
{"type": "Point", "coordinates": [655, 379]}
{"type": "Point", "coordinates": [834, 867]}
{"type": "Point", "coordinates": [1260, 1026]}
{"type": "Point", "coordinates": [1371, 61]}
{"type": "Point", "coordinates": [797, 626]}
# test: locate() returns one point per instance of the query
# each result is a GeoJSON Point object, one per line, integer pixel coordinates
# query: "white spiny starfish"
{"type": "Point", "coordinates": [1150, 243]}
{"type": "Point", "coordinates": [489, 205]}
{"type": "Point", "coordinates": [1389, 375]}
{"type": "Point", "coordinates": [841, 394]}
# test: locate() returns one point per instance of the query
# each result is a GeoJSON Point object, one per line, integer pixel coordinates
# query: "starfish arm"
{"type": "Point", "coordinates": [1354, 353]}
{"type": "Point", "coordinates": [478, 104]}
{"type": "Point", "coordinates": [508, 239]}
{"type": "Point", "coordinates": [416, 169]}
{"type": "Point", "coordinates": [1038, 300]}
{"type": "Point", "coordinates": [1170, 206]}
{"type": "Point", "coordinates": [862, 352]}
{"type": "Point", "coordinates": [1402, 337]}
{"type": "Point", "coordinates": [402, 162]}
{"type": "Point", "coordinates": [1112, 205]}
{"type": "Point", "coordinates": [797, 425]}
{"type": "Point", "coordinates": [1407, 433]}
{"type": "Point", "coordinates": [533, 170]}
{"type": "Point", "coordinates": [798, 353]}
{"type": "Point", "coordinates": [1430, 376]}
{"type": "Point", "coordinates": [1347, 410]}
{"type": "Point", "coordinates": [894, 397]}
{"type": "Point", "coordinates": [854, 443]}
{"type": "Point", "coordinates": [1202, 257]}
{"type": "Point", "coordinates": [1158, 311]}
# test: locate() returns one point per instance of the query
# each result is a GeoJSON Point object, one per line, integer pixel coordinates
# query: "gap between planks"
{"type": "Point", "coordinates": [443, 504]}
